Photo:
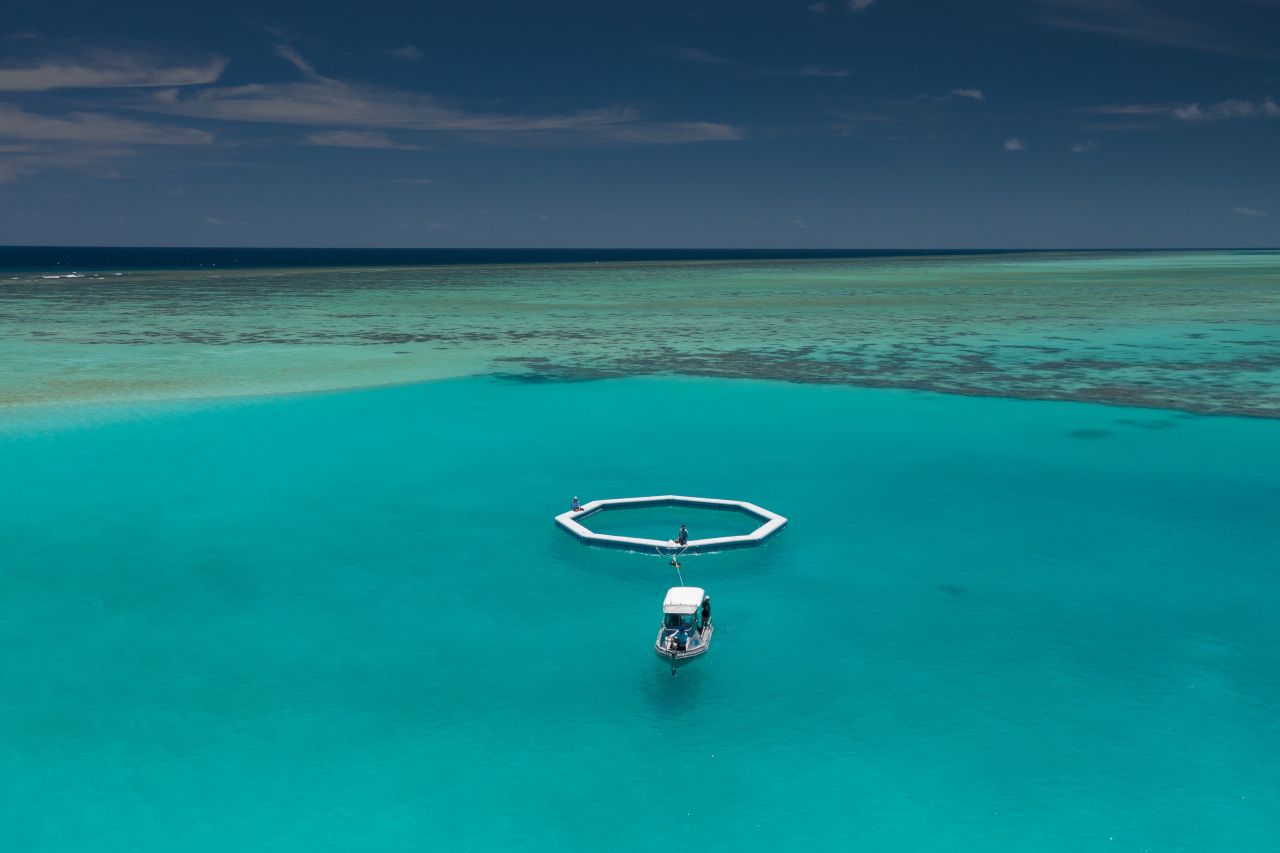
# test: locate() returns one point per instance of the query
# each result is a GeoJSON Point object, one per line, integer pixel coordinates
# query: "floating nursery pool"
{"type": "Point", "coordinates": [617, 523]}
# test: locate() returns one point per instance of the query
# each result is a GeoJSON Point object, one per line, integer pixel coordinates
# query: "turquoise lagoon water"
{"type": "Point", "coordinates": [664, 522]}
{"type": "Point", "coordinates": [346, 622]}
{"type": "Point", "coordinates": [248, 605]}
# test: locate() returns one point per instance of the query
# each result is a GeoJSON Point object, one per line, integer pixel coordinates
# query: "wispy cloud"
{"type": "Point", "coordinates": [410, 181]}
{"type": "Point", "coordinates": [972, 94]}
{"type": "Point", "coordinates": [322, 101]}
{"type": "Point", "coordinates": [1015, 144]}
{"type": "Point", "coordinates": [672, 132]}
{"type": "Point", "coordinates": [408, 53]}
{"type": "Point", "coordinates": [1231, 108]}
{"type": "Point", "coordinates": [702, 57]}
{"type": "Point", "coordinates": [818, 8]}
{"type": "Point", "coordinates": [32, 142]}
{"type": "Point", "coordinates": [699, 57]}
{"type": "Point", "coordinates": [93, 128]}
{"type": "Point", "coordinates": [355, 139]}
{"type": "Point", "coordinates": [860, 5]}
{"type": "Point", "coordinates": [1250, 211]}
{"type": "Point", "coordinates": [1133, 109]}
{"type": "Point", "coordinates": [1165, 23]}
{"type": "Point", "coordinates": [855, 124]}
{"type": "Point", "coordinates": [1084, 147]}
{"type": "Point", "coordinates": [822, 71]}
{"type": "Point", "coordinates": [863, 118]}
{"type": "Point", "coordinates": [102, 70]}
{"type": "Point", "coordinates": [807, 71]}
{"type": "Point", "coordinates": [290, 55]}
{"type": "Point", "coordinates": [18, 162]}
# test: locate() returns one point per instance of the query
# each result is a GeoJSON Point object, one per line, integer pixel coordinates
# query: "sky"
{"type": "Point", "coordinates": [668, 123]}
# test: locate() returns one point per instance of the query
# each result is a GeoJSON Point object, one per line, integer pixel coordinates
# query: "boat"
{"type": "Point", "coordinates": [686, 626]}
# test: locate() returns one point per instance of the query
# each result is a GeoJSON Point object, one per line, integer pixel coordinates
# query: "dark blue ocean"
{"type": "Point", "coordinates": [148, 258]}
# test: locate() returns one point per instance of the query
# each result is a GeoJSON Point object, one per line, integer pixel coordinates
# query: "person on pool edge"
{"type": "Point", "coordinates": [575, 506]}
{"type": "Point", "coordinates": [682, 538]}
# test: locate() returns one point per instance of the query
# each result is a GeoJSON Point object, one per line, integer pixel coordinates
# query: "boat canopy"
{"type": "Point", "coordinates": [684, 600]}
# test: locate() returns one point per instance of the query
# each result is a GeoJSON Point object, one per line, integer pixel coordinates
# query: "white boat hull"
{"type": "Point", "coordinates": [680, 658]}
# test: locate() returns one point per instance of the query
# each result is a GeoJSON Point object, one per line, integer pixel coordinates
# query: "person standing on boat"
{"type": "Point", "coordinates": [575, 507]}
{"type": "Point", "coordinates": [706, 612]}
{"type": "Point", "coordinates": [682, 538]}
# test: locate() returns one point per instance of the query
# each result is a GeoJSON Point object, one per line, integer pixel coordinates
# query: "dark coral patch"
{"type": "Point", "coordinates": [1147, 423]}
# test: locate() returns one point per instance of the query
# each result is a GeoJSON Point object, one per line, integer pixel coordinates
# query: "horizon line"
{"type": "Point", "coordinates": [1276, 247]}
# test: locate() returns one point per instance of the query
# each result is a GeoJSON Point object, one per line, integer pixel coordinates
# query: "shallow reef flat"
{"type": "Point", "coordinates": [1193, 331]}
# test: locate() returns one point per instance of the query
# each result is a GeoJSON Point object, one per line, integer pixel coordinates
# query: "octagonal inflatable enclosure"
{"type": "Point", "coordinates": [572, 522]}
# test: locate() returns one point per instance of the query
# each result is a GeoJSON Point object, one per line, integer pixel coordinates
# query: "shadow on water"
{"type": "Point", "coordinates": [678, 696]}
{"type": "Point", "coordinates": [1089, 434]}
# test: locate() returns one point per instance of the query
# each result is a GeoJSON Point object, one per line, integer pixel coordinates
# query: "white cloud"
{"type": "Point", "coordinates": [1084, 147]}
{"type": "Point", "coordinates": [1231, 108]}
{"type": "Point", "coordinates": [408, 53]}
{"type": "Point", "coordinates": [216, 220]}
{"type": "Point", "coordinates": [1250, 211]}
{"type": "Point", "coordinates": [333, 103]}
{"type": "Point", "coordinates": [322, 101]}
{"type": "Point", "coordinates": [93, 128]}
{"type": "Point", "coordinates": [1015, 144]}
{"type": "Point", "coordinates": [33, 142]}
{"type": "Point", "coordinates": [818, 8]}
{"type": "Point", "coordinates": [103, 70]}
{"type": "Point", "coordinates": [860, 5]}
{"type": "Point", "coordinates": [972, 94]}
{"type": "Point", "coordinates": [355, 139]}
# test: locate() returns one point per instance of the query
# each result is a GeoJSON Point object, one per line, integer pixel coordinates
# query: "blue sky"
{"type": "Point", "coordinates": [864, 124]}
